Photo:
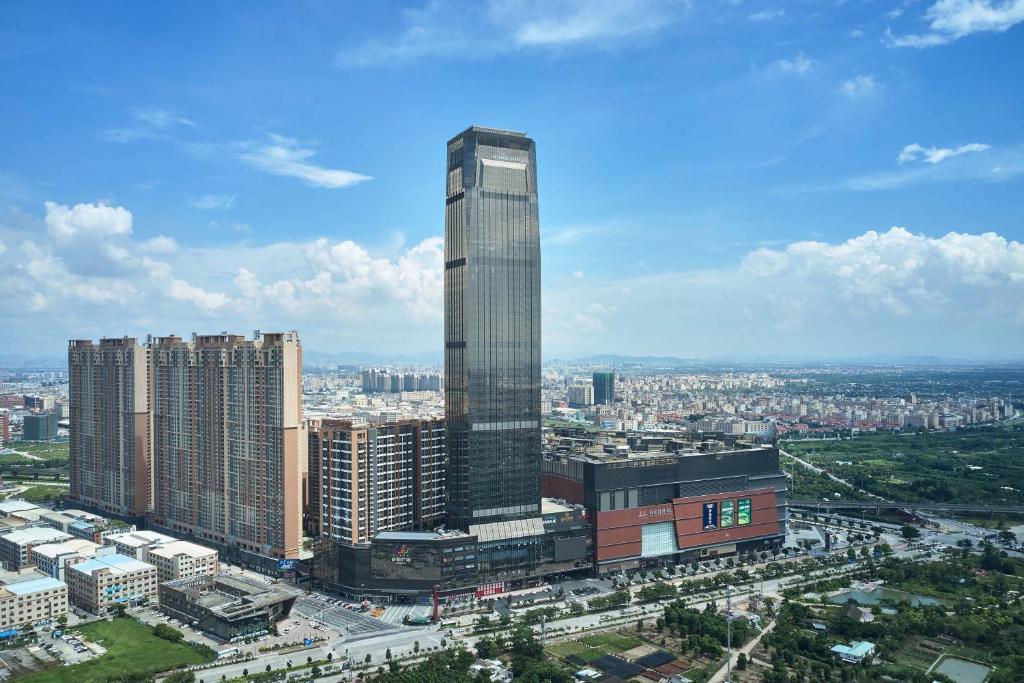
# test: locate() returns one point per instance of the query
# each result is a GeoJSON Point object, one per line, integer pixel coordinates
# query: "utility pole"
{"type": "Point", "coordinates": [728, 634]}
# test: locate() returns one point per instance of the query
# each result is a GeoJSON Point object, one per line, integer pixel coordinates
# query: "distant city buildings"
{"type": "Point", "coordinates": [381, 381]}
{"type": "Point", "coordinates": [580, 395]}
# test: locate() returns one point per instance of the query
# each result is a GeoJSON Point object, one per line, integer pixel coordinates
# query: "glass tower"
{"type": "Point", "coordinates": [492, 328]}
{"type": "Point", "coordinates": [604, 388]}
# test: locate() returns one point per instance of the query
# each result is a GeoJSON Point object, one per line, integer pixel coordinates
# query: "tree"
{"type": "Point", "coordinates": [416, 646]}
{"type": "Point", "coordinates": [245, 672]}
{"type": "Point", "coordinates": [369, 658]}
{"type": "Point", "coordinates": [486, 648]}
{"type": "Point", "coordinates": [181, 677]}
{"type": "Point", "coordinates": [268, 668]}
{"type": "Point", "coordinates": [387, 655]}
{"type": "Point", "coordinates": [1007, 536]}
{"type": "Point", "coordinates": [909, 532]}
{"type": "Point", "coordinates": [330, 656]}
{"type": "Point", "coordinates": [741, 662]}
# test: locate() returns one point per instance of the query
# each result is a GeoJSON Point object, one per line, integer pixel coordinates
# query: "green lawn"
{"type": "Point", "coordinates": [131, 648]}
{"type": "Point", "coordinates": [50, 451]}
{"type": "Point", "coordinates": [42, 493]}
{"type": "Point", "coordinates": [611, 641]}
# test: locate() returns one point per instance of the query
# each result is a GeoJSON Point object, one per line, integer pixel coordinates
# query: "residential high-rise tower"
{"type": "Point", "coordinates": [492, 328]}
{"type": "Point", "coordinates": [229, 443]}
{"type": "Point", "coordinates": [604, 387]}
{"type": "Point", "coordinates": [109, 424]}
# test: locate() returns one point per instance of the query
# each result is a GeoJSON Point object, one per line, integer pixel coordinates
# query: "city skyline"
{"type": "Point", "coordinates": [741, 165]}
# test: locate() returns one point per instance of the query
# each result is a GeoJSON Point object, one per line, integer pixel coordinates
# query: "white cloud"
{"type": "Point", "coordinates": [284, 156]}
{"type": "Point", "coordinates": [572, 22]}
{"type": "Point", "coordinates": [211, 201]}
{"type": "Point", "coordinates": [86, 220]}
{"type": "Point", "coordinates": [161, 244]}
{"type": "Point", "coordinates": [935, 155]}
{"type": "Point", "coordinates": [578, 274]}
{"type": "Point", "coordinates": [859, 86]}
{"type": "Point", "coordinates": [890, 291]}
{"type": "Point", "coordinates": [146, 123]}
{"type": "Point", "coordinates": [767, 14]}
{"type": "Point", "coordinates": [800, 64]}
{"type": "Point", "coordinates": [950, 20]}
{"type": "Point", "coordinates": [3, 248]}
{"type": "Point", "coordinates": [481, 30]}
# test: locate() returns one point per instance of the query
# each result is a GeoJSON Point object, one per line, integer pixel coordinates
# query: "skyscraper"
{"type": "Point", "coordinates": [229, 444]}
{"type": "Point", "coordinates": [604, 387]}
{"type": "Point", "coordinates": [492, 328]}
{"type": "Point", "coordinates": [109, 424]}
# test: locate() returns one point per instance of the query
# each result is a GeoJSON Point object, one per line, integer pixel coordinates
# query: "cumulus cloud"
{"type": "Point", "coordinates": [892, 291]}
{"type": "Point", "coordinates": [87, 220]}
{"type": "Point", "coordinates": [859, 86]}
{"type": "Point", "coordinates": [284, 156]}
{"type": "Point", "coordinates": [935, 155]}
{"type": "Point", "coordinates": [950, 20]}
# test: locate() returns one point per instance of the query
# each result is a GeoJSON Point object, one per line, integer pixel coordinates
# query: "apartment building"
{"type": "Point", "coordinates": [370, 479]}
{"type": "Point", "coordinates": [181, 560]}
{"type": "Point", "coordinates": [26, 602]}
{"type": "Point", "coordinates": [109, 423]}
{"type": "Point", "coordinates": [97, 584]}
{"type": "Point", "coordinates": [228, 440]}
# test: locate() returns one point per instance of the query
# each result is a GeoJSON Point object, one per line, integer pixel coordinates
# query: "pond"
{"type": "Point", "coordinates": [963, 671]}
{"type": "Point", "coordinates": [879, 594]}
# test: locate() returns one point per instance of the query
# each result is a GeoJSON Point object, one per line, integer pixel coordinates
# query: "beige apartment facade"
{"type": "Point", "coordinates": [229, 443]}
{"type": "Point", "coordinates": [109, 425]}
{"type": "Point", "coordinates": [181, 560]}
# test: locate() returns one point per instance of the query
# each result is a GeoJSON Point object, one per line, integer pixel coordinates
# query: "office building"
{"type": "Point", "coordinates": [109, 423]}
{"type": "Point", "coordinates": [604, 387]}
{"type": "Point", "coordinates": [16, 546]}
{"type": "Point", "coordinates": [97, 584]}
{"type": "Point", "coordinates": [376, 478]}
{"type": "Point", "coordinates": [492, 328]}
{"type": "Point", "coordinates": [39, 427]}
{"type": "Point", "coordinates": [28, 601]}
{"type": "Point", "coordinates": [226, 607]}
{"type": "Point", "coordinates": [229, 444]}
{"type": "Point", "coordinates": [5, 429]}
{"type": "Point", "coordinates": [663, 499]}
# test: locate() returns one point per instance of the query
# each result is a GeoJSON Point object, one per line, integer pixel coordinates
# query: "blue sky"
{"type": "Point", "coordinates": [716, 178]}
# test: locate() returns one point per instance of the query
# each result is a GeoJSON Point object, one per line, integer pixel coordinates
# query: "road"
{"type": "Point", "coordinates": [828, 474]}
{"type": "Point", "coordinates": [746, 649]}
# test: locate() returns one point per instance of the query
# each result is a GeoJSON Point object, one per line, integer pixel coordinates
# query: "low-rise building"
{"type": "Point", "coordinates": [226, 607]}
{"type": "Point", "coordinates": [854, 653]}
{"type": "Point", "coordinates": [16, 545]}
{"type": "Point", "coordinates": [180, 560]}
{"type": "Point", "coordinates": [52, 558]}
{"type": "Point", "coordinates": [26, 602]}
{"type": "Point", "coordinates": [96, 584]}
{"type": "Point", "coordinates": [135, 543]}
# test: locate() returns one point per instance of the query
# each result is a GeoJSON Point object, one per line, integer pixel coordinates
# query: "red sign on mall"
{"type": "Point", "coordinates": [485, 589]}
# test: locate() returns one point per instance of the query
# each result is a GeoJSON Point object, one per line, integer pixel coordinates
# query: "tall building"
{"type": "Point", "coordinates": [109, 423]}
{"type": "Point", "coordinates": [229, 444]}
{"type": "Point", "coordinates": [385, 477]}
{"type": "Point", "coordinates": [492, 328]}
{"type": "Point", "coordinates": [580, 395]}
{"type": "Point", "coordinates": [39, 427]}
{"type": "Point", "coordinates": [604, 387]}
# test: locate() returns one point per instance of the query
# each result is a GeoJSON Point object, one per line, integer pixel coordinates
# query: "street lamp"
{"type": "Point", "coordinates": [728, 634]}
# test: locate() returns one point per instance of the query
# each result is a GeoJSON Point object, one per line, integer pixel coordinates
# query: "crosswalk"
{"type": "Point", "coordinates": [395, 614]}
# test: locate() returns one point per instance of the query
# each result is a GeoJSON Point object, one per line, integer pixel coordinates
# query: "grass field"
{"type": "Point", "coordinates": [131, 649]}
{"type": "Point", "coordinates": [984, 465]}
{"type": "Point", "coordinates": [42, 493]}
{"type": "Point", "coordinates": [49, 451]}
{"type": "Point", "coordinates": [594, 646]}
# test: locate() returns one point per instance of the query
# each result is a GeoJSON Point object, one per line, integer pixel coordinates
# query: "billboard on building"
{"type": "Point", "coordinates": [728, 513]}
{"type": "Point", "coordinates": [710, 515]}
{"type": "Point", "coordinates": [743, 511]}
